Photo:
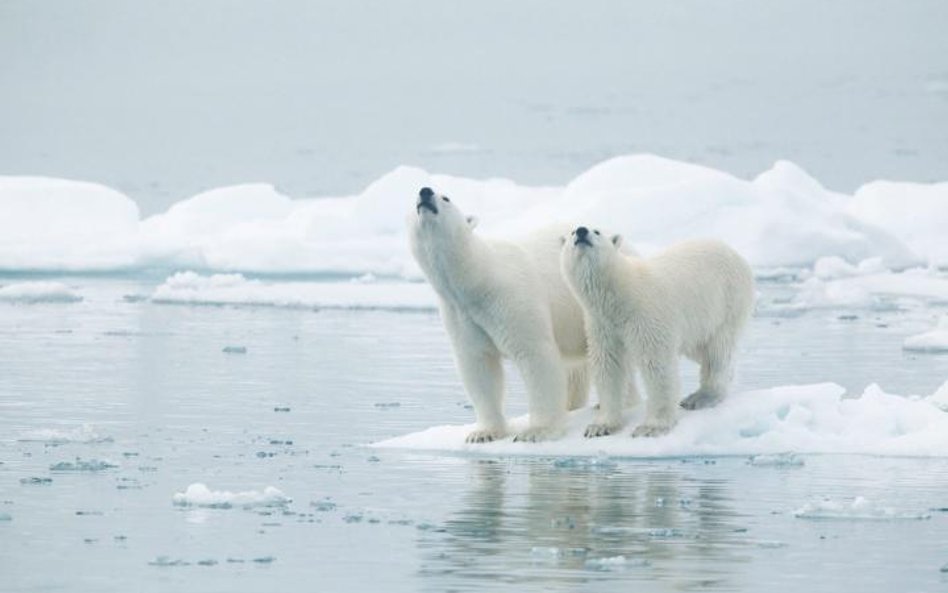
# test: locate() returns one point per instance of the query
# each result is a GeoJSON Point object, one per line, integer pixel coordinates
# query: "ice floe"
{"type": "Point", "coordinates": [935, 340]}
{"type": "Point", "coordinates": [783, 217]}
{"type": "Point", "coordinates": [199, 495]}
{"type": "Point", "coordinates": [819, 418]}
{"type": "Point", "coordinates": [38, 292]}
{"type": "Point", "coordinates": [82, 465]}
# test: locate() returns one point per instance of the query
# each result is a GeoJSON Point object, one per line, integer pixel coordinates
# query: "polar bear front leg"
{"type": "Point", "coordinates": [545, 379]}
{"type": "Point", "coordinates": [609, 360]}
{"type": "Point", "coordinates": [482, 372]}
{"type": "Point", "coordinates": [662, 385]}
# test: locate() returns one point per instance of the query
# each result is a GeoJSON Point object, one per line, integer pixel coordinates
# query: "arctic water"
{"type": "Point", "coordinates": [112, 405]}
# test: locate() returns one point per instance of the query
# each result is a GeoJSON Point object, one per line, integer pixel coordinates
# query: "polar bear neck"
{"type": "Point", "coordinates": [444, 262]}
{"type": "Point", "coordinates": [603, 285]}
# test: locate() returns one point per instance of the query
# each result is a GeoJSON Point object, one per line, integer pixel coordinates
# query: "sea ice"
{"type": "Point", "coordinates": [805, 419]}
{"type": "Point", "coordinates": [783, 217]}
{"type": "Point", "coordinates": [620, 562]}
{"type": "Point", "coordinates": [200, 495]}
{"type": "Point", "coordinates": [38, 292]}
{"type": "Point", "coordinates": [859, 508]}
{"type": "Point", "coordinates": [935, 340]}
{"type": "Point", "coordinates": [777, 460]}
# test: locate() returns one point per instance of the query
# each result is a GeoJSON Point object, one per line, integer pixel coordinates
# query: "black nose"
{"type": "Point", "coordinates": [582, 232]}
{"type": "Point", "coordinates": [425, 193]}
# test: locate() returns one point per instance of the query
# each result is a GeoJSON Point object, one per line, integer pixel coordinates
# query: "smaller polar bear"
{"type": "Point", "coordinates": [692, 299]}
{"type": "Point", "coordinates": [502, 299]}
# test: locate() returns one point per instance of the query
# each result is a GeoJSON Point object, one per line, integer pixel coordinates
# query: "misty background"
{"type": "Point", "coordinates": [164, 99]}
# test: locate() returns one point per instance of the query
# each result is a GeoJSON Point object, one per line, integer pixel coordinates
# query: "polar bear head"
{"type": "Point", "coordinates": [436, 218]}
{"type": "Point", "coordinates": [586, 251]}
{"type": "Point", "coordinates": [437, 227]}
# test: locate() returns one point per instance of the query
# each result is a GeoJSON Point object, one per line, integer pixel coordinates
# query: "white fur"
{"type": "Point", "coordinates": [693, 299]}
{"type": "Point", "coordinates": [505, 300]}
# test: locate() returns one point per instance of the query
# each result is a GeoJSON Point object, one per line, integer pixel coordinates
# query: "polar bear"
{"type": "Point", "coordinates": [692, 299]}
{"type": "Point", "coordinates": [499, 300]}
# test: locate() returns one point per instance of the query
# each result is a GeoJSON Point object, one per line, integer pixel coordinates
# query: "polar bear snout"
{"type": "Point", "coordinates": [582, 236]}
{"type": "Point", "coordinates": [426, 200]}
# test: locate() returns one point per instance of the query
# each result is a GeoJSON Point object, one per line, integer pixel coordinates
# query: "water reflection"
{"type": "Point", "coordinates": [547, 527]}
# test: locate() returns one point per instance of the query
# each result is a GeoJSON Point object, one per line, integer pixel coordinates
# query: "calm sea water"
{"type": "Point", "coordinates": [313, 387]}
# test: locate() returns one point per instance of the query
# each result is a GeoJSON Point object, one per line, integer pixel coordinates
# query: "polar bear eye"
{"type": "Point", "coordinates": [445, 198]}
{"type": "Point", "coordinates": [597, 232]}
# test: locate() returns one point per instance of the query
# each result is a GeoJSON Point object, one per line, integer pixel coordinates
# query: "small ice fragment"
{"type": "Point", "coordinates": [56, 436]}
{"type": "Point", "coordinates": [235, 560]}
{"type": "Point", "coordinates": [353, 518]}
{"type": "Point", "coordinates": [5, 517]}
{"type": "Point", "coordinates": [166, 561]}
{"type": "Point", "coordinates": [281, 409]}
{"type": "Point", "coordinates": [860, 509]}
{"type": "Point", "coordinates": [545, 551]}
{"type": "Point", "coordinates": [944, 568]}
{"type": "Point", "coordinates": [34, 481]}
{"type": "Point", "coordinates": [778, 460]}
{"type": "Point", "coordinates": [600, 462]}
{"type": "Point", "coordinates": [771, 544]}
{"type": "Point", "coordinates": [200, 495]}
{"type": "Point", "coordinates": [91, 465]}
{"type": "Point", "coordinates": [614, 563]}
{"type": "Point", "coordinates": [234, 350]}
{"type": "Point", "coordinates": [207, 562]}
{"type": "Point", "coordinates": [264, 560]}
{"type": "Point", "coordinates": [373, 459]}
{"type": "Point", "coordinates": [323, 506]}
{"type": "Point", "coordinates": [386, 405]}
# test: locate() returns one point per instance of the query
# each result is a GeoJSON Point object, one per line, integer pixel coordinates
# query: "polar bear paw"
{"type": "Point", "coordinates": [700, 399]}
{"type": "Point", "coordinates": [600, 430]}
{"type": "Point", "coordinates": [651, 430]}
{"type": "Point", "coordinates": [484, 435]}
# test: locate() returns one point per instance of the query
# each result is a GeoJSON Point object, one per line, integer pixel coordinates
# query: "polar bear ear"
{"type": "Point", "coordinates": [617, 241]}
{"type": "Point", "coordinates": [472, 221]}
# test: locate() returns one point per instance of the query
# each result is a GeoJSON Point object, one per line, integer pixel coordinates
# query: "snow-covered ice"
{"type": "Point", "coordinates": [868, 288]}
{"type": "Point", "coordinates": [233, 289]}
{"type": "Point", "coordinates": [38, 292]}
{"type": "Point", "coordinates": [935, 340]}
{"type": "Point", "coordinates": [783, 217]}
{"type": "Point", "coordinates": [199, 495]}
{"type": "Point", "coordinates": [820, 418]}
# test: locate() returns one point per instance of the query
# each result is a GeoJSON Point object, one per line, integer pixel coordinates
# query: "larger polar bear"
{"type": "Point", "coordinates": [499, 300]}
{"type": "Point", "coordinates": [692, 299]}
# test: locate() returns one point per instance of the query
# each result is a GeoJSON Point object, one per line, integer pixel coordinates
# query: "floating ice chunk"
{"type": "Point", "coordinates": [934, 341]}
{"type": "Point", "coordinates": [200, 495]}
{"type": "Point", "coordinates": [166, 561]}
{"type": "Point", "coordinates": [5, 517]}
{"type": "Point", "coordinates": [832, 267]}
{"type": "Point", "coordinates": [234, 350]}
{"type": "Point", "coordinates": [608, 563]}
{"type": "Point", "coordinates": [190, 288]}
{"type": "Point", "coordinates": [871, 290]}
{"type": "Point", "coordinates": [777, 460]}
{"type": "Point", "coordinates": [79, 465]}
{"type": "Point", "coordinates": [35, 481]}
{"type": "Point", "coordinates": [59, 436]}
{"type": "Point", "coordinates": [38, 292]}
{"type": "Point", "coordinates": [859, 509]}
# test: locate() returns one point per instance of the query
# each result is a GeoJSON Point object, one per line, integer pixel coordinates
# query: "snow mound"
{"type": "Point", "coordinates": [85, 434]}
{"type": "Point", "coordinates": [859, 509]}
{"type": "Point", "coordinates": [234, 289]}
{"type": "Point", "coordinates": [38, 292]}
{"type": "Point", "coordinates": [57, 224]}
{"type": "Point", "coordinates": [783, 217]}
{"type": "Point", "coordinates": [199, 495]}
{"type": "Point", "coordinates": [935, 340]}
{"type": "Point", "coordinates": [800, 418]}
{"type": "Point", "coordinates": [871, 290]}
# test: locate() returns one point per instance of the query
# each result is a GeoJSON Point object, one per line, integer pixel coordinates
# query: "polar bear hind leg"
{"type": "Point", "coordinates": [716, 358]}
